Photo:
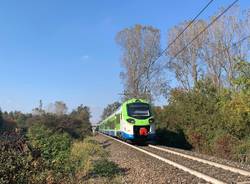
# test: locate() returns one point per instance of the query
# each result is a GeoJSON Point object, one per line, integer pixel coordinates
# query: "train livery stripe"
{"type": "Point", "coordinates": [126, 135]}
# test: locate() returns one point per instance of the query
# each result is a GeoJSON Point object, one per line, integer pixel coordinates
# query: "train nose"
{"type": "Point", "coordinates": [143, 132]}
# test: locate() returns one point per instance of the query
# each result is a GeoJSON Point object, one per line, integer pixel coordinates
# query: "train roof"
{"type": "Point", "coordinates": [134, 100]}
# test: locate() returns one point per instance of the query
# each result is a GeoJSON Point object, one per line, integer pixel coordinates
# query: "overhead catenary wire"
{"type": "Point", "coordinates": [193, 20]}
{"type": "Point", "coordinates": [209, 25]}
{"type": "Point", "coordinates": [178, 36]}
{"type": "Point", "coordinates": [234, 44]}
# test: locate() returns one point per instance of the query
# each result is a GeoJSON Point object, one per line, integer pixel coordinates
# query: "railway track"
{"type": "Point", "coordinates": [209, 171]}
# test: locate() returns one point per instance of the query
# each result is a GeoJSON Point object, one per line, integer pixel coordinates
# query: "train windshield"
{"type": "Point", "coordinates": [139, 110]}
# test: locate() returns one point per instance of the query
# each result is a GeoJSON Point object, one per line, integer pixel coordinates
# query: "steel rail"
{"type": "Point", "coordinates": [215, 164]}
{"type": "Point", "coordinates": [177, 165]}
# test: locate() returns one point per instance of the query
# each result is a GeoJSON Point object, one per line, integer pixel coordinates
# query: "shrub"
{"type": "Point", "coordinates": [213, 120]}
{"type": "Point", "coordinates": [91, 162]}
{"type": "Point", "coordinates": [16, 162]}
{"type": "Point", "coordinates": [14, 166]}
{"type": "Point", "coordinates": [243, 151]}
{"type": "Point", "coordinates": [76, 128]}
{"type": "Point", "coordinates": [196, 139]}
{"type": "Point", "coordinates": [8, 125]}
{"type": "Point", "coordinates": [224, 146]}
{"type": "Point", "coordinates": [54, 149]}
{"type": "Point", "coordinates": [83, 154]}
{"type": "Point", "coordinates": [105, 168]}
{"type": "Point", "coordinates": [236, 113]}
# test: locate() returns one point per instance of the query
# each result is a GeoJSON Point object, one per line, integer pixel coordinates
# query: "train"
{"type": "Point", "coordinates": [132, 121]}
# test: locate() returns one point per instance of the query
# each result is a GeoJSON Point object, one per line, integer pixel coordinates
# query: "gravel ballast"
{"type": "Point", "coordinates": [211, 158]}
{"type": "Point", "coordinates": [140, 168]}
{"type": "Point", "coordinates": [220, 174]}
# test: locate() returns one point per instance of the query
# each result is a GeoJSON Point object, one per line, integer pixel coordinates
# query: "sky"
{"type": "Point", "coordinates": [65, 50]}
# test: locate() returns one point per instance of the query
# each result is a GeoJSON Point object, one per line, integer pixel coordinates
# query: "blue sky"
{"type": "Point", "coordinates": [66, 50]}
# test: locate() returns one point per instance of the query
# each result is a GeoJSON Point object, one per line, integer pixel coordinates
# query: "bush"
{"type": "Point", "coordinates": [212, 120]}
{"type": "Point", "coordinates": [16, 162]}
{"type": "Point", "coordinates": [83, 154]}
{"type": "Point", "coordinates": [243, 151]}
{"type": "Point", "coordinates": [236, 115]}
{"type": "Point", "coordinates": [91, 161]}
{"type": "Point", "coordinates": [54, 149]}
{"type": "Point", "coordinates": [224, 146]}
{"type": "Point", "coordinates": [77, 129]}
{"type": "Point", "coordinates": [14, 167]}
{"type": "Point", "coordinates": [105, 168]}
{"type": "Point", "coordinates": [8, 126]}
{"type": "Point", "coordinates": [50, 150]}
{"type": "Point", "coordinates": [196, 138]}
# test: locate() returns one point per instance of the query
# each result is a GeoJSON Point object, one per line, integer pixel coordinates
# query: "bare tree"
{"type": "Point", "coordinates": [59, 108]}
{"type": "Point", "coordinates": [219, 51]}
{"type": "Point", "coordinates": [142, 76]}
{"type": "Point", "coordinates": [186, 64]}
{"type": "Point", "coordinates": [213, 53]}
{"type": "Point", "coordinates": [38, 111]}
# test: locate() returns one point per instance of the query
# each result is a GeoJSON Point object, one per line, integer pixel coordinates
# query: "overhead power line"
{"type": "Point", "coordinates": [178, 36]}
{"type": "Point", "coordinates": [234, 44]}
{"type": "Point", "coordinates": [210, 24]}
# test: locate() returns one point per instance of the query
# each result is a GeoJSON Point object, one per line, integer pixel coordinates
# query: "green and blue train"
{"type": "Point", "coordinates": [132, 121]}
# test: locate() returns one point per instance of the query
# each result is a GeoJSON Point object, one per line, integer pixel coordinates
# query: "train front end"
{"type": "Point", "coordinates": [137, 121]}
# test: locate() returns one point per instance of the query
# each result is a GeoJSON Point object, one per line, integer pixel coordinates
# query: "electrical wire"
{"type": "Point", "coordinates": [178, 36]}
{"type": "Point", "coordinates": [210, 24]}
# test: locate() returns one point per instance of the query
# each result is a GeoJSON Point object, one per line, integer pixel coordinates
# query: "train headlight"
{"type": "Point", "coordinates": [131, 120]}
{"type": "Point", "coordinates": [151, 120]}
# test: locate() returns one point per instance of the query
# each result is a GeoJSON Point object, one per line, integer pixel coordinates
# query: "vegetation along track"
{"type": "Point", "coordinates": [209, 171]}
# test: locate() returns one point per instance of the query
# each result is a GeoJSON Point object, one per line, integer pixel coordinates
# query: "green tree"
{"type": "Point", "coordinates": [80, 121]}
{"type": "Point", "coordinates": [81, 113]}
{"type": "Point", "coordinates": [242, 81]}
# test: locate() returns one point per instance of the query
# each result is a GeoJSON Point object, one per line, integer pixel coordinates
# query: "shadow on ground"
{"type": "Point", "coordinates": [105, 168]}
{"type": "Point", "coordinates": [105, 143]}
{"type": "Point", "coordinates": [172, 139]}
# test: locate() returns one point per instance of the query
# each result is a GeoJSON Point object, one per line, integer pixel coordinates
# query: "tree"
{"type": "Point", "coordinates": [242, 80]}
{"type": "Point", "coordinates": [81, 113]}
{"type": "Point", "coordinates": [79, 121]}
{"type": "Point", "coordinates": [142, 76]}
{"type": "Point", "coordinates": [59, 108]}
{"type": "Point", "coordinates": [21, 120]}
{"type": "Point", "coordinates": [110, 109]}
{"type": "Point", "coordinates": [38, 111]}
{"type": "Point", "coordinates": [220, 51]}
{"type": "Point", "coordinates": [186, 64]}
{"type": "Point", "coordinates": [213, 54]}
{"type": "Point", "coordinates": [1, 119]}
